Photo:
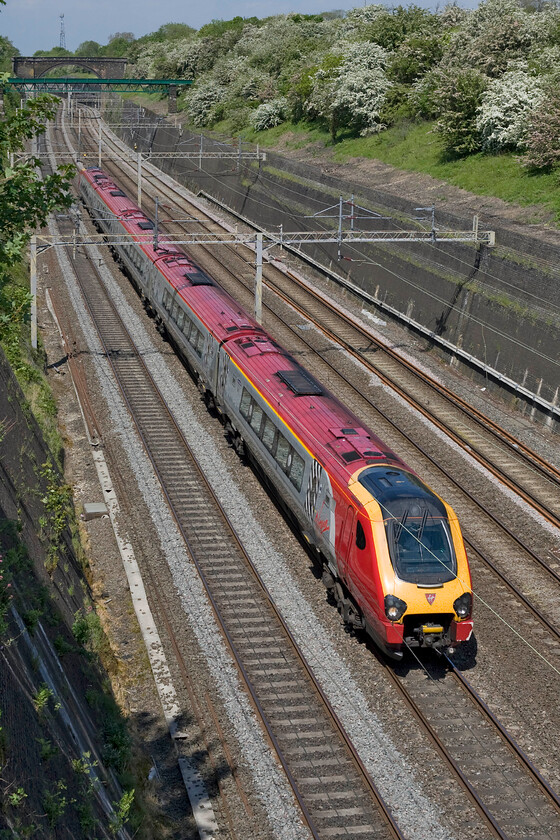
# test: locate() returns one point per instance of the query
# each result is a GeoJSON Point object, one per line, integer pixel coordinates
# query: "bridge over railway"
{"type": "Point", "coordinates": [33, 67]}
{"type": "Point", "coordinates": [29, 77]}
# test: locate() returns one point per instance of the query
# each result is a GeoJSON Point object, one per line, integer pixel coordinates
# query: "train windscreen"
{"type": "Point", "coordinates": [416, 526]}
{"type": "Point", "coordinates": [420, 548]}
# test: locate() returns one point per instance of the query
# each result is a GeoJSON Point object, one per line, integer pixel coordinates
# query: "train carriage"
{"type": "Point", "coordinates": [392, 549]}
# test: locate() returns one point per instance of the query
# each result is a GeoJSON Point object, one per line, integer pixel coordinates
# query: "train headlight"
{"type": "Point", "coordinates": [394, 607]}
{"type": "Point", "coordinates": [463, 605]}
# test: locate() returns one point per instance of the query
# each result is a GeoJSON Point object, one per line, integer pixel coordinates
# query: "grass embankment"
{"type": "Point", "coordinates": [415, 147]}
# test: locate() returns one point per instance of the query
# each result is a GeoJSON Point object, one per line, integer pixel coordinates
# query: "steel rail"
{"type": "Point", "coordinates": [443, 751]}
{"type": "Point", "coordinates": [382, 806]}
{"type": "Point", "coordinates": [496, 829]}
{"type": "Point", "coordinates": [95, 438]}
{"type": "Point", "coordinates": [349, 348]}
{"type": "Point", "coordinates": [518, 448]}
{"type": "Point", "coordinates": [491, 717]}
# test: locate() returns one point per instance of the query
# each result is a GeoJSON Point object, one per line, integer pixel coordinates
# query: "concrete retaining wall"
{"type": "Point", "coordinates": [501, 308]}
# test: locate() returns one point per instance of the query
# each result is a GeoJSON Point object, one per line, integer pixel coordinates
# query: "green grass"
{"type": "Point", "coordinates": [416, 148]}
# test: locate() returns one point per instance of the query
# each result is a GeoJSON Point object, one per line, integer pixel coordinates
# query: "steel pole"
{"type": "Point", "coordinates": [258, 279]}
{"type": "Point", "coordinates": [33, 285]}
{"type": "Point", "coordinates": [139, 179]}
{"type": "Point", "coordinates": [156, 225]}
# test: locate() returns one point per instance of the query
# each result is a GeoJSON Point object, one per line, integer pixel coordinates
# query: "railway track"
{"type": "Point", "coordinates": [299, 721]}
{"type": "Point", "coordinates": [515, 464]}
{"type": "Point", "coordinates": [501, 781]}
{"type": "Point", "coordinates": [520, 469]}
{"type": "Point", "coordinates": [494, 803]}
{"type": "Point", "coordinates": [334, 791]}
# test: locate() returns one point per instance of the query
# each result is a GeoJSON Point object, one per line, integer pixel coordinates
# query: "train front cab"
{"type": "Point", "coordinates": [411, 575]}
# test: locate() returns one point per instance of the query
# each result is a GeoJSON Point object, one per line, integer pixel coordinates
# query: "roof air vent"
{"type": "Point", "coordinates": [300, 383]}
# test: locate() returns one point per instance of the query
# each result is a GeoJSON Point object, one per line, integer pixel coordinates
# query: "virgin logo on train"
{"type": "Point", "coordinates": [430, 598]}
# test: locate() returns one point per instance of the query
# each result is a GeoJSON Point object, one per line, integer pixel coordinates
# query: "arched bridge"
{"type": "Point", "coordinates": [34, 67]}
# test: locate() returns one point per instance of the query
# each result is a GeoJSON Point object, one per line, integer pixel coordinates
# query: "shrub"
{"type": "Point", "coordinates": [202, 103]}
{"type": "Point", "coordinates": [269, 114]}
{"type": "Point", "coordinates": [493, 35]}
{"type": "Point", "coordinates": [458, 98]}
{"type": "Point", "coordinates": [415, 57]}
{"type": "Point", "coordinates": [503, 115]}
{"type": "Point", "coordinates": [543, 135]}
{"type": "Point", "coordinates": [349, 87]}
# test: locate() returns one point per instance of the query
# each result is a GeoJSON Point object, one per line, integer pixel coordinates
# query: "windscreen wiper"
{"type": "Point", "coordinates": [400, 525]}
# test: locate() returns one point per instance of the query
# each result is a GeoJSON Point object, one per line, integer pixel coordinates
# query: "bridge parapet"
{"type": "Point", "coordinates": [33, 67]}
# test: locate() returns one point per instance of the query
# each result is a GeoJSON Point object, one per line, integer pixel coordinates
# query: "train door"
{"type": "Point", "coordinates": [222, 370]}
{"type": "Point", "coordinates": [346, 537]}
{"type": "Point", "coordinates": [319, 506]}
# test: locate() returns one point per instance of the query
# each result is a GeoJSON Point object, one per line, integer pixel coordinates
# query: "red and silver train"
{"type": "Point", "coordinates": [392, 550]}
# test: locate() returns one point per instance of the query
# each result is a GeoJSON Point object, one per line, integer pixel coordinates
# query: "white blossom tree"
{"type": "Point", "coordinates": [493, 35]}
{"type": "Point", "coordinates": [350, 87]}
{"type": "Point", "coordinates": [504, 113]}
{"type": "Point", "coordinates": [203, 101]}
{"type": "Point", "coordinates": [269, 114]}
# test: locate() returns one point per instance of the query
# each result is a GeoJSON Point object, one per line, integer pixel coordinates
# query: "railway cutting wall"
{"type": "Point", "coordinates": [51, 720]}
{"type": "Point", "coordinates": [498, 304]}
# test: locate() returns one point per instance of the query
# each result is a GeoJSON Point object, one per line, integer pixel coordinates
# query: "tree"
{"type": "Point", "coordinates": [55, 52]}
{"type": "Point", "coordinates": [493, 35]}
{"type": "Point", "coordinates": [88, 49]}
{"type": "Point", "coordinates": [25, 199]}
{"type": "Point", "coordinates": [392, 27]}
{"type": "Point", "coordinates": [174, 32]}
{"type": "Point", "coordinates": [349, 87]}
{"type": "Point", "coordinates": [7, 52]}
{"type": "Point", "coordinates": [459, 95]}
{"type": "Point", "coordinates": [120, 44]}
{"type": "Point", "coordinates": [543, 136]}
{"type": "Point", "coordinates": [505, 109]}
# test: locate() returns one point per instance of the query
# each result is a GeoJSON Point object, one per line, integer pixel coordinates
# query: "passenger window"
{"type": "Point", "coordinates": [296, 471]}
{"type": "Point", "coordinates": [269, 434]}
{"type": "Point", "coordinates": [180, 319]}
{"type": "Point", "coordinates": [256, 418]}
{"type": "Point", "coordinates": [282, 452]}
{"type": "Point", "coordinates": [199, 344]}
{"type": "Point", "coordinates": [360, 537]}
{"type": "Point", "coordinates": [187, 328]}
{"type": "Point", "coordinates": [245, 404]}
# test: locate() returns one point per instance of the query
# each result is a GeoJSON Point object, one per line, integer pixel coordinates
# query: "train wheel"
{"type": "Point", "coordinates": [236, 440]}
{"type": "Point", "coordinates": [348, 609]}
{"type": "Point", "coordinates": [239, 445]}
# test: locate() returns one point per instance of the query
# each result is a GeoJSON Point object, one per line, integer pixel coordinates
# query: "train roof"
{"type": "Point", "coordinates": [213, 306]}
{"type": "Point", "coordinates": [324, 425]}
{"type": "Point", "coordinates": [321, 422]}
